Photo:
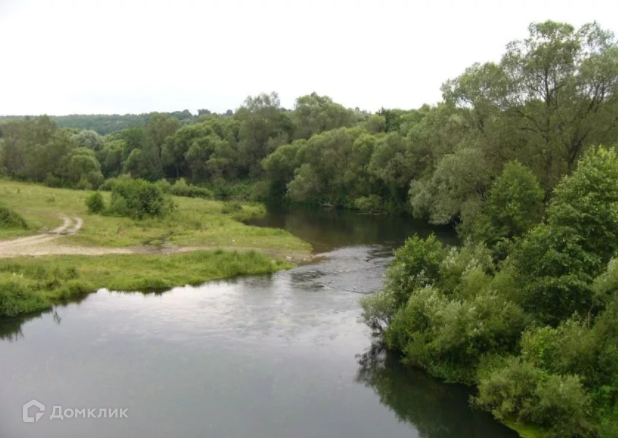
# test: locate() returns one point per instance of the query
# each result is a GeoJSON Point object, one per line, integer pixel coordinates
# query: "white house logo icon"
{"type": "Point", "coordinates": [26, 414]}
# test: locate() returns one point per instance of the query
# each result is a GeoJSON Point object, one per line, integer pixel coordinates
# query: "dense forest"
{"type": "Point", "coordinates": [519, 155]}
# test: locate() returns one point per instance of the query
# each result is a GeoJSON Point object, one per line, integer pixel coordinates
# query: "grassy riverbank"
{"type": "Point", "coordinates": [35, 284]}
{"type": "Point", "coordinates": [200, 241]}
{"type": "Point", "coordinates": [195, 223]}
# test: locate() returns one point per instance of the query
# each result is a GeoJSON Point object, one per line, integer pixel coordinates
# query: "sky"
{"type": "Point", "coordinates": [133, 56]}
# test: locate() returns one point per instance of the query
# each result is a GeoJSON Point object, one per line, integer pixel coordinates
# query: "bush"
{"type": "Point", "coordinates": [10, 219]}
{"type": "Point", "coordinates": [181, 188]}
{"type": "Point", "coordinates": [448, 337]}
{"type": "Point", "coordinates": [95, 203]}
{"type": "Point", "coordinates": [139, 199]}
{"type": "Point", "coordinates": [369, 204]}
{"type": "Point", "coordinates": [416, 264]}
{"type": "Point", "coordinates": [522, 392]}
{"type": "Point", "coordinates": [164, 185]}
{"type": "Point", "coordinates": [378, 310]}
{"type": "Point", "coordinates": [109, 183]}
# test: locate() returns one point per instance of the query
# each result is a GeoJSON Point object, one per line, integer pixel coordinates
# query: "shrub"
{"type": "Point", "coordinates": [378, 310]}
{"type": "Point", "coordinates": [10, 219]}
{"type": "Point", "coordinates": [95, 203]}
{"type": "Point", "coordinates": [109, 183]}
{"type": "Point", "coordinates": [416, 264]}
{"type": "Point", "coordinates": [181, 188]}
{"type": "Point", "coordinates": [164, 185]}
{"type": "Point", "coordinates": [369, 204]}
{"type": "Point", "coordinates": [522, 392]}
{"type": "Point", "coordinates": [508, 390]}
{"type": "Point", "coordinates": [139, 199]}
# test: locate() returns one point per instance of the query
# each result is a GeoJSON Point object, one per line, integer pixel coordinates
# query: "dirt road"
{"type": "Point", "coordinates": [45, 244]}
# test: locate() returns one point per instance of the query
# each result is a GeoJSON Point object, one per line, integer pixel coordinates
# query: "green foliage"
{"type": "Point", "coordinates": [519, 391]}
{"type": "Point", "coordinates": [11, 219]}
{"type": "Point", "coordinates": [514, 205]}
{"type": "Point", "coordinates": [416, 265]}
{"type": "Point", "coordinates": [139, 199]}
{"type": "Point", "coordinates": [557, 262]}
{"type": "Point", "coordinates": [164, 185]}
{"type": "Point", "coordinates": [16, 299]}
{"type": "Point", "coordinates": [95, 203]}
{"type": "Point", "coordinates": [35, 284]}
{"type": "Point", "coordinates": [181, 188]}
{"type": "Point", "coordinates": [378, 310]}
{"type": "Point", "coordinates": [369, 204]}
{"type": "Point", "coordinates": [538, 332]}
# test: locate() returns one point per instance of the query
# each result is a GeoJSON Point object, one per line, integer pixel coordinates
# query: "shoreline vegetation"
{"type": "Point", "coordinates": [529, 317]}
{"type": "Point", "coordinates": [200, 240]}
{"type": "Point", "coordinates": [526, 309]}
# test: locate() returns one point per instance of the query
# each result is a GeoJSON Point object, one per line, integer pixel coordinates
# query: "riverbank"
{"type": "Point", "coordinates": [35, 284]}
{"type": "Point", "coordinates": [64, 252]}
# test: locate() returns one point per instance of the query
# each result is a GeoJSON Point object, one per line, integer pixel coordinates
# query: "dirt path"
{"type": "Point", "coordinates": [43, 244]}
{"type": "Point", "coordinates": [40, 244]}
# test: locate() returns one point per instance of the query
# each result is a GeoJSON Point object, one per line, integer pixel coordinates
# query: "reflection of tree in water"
{"type": "Point", "coordinates": [10, 327]}
{"type": "Point", "coordinates": [327, 229]}
{"type": "Point", "coordinates": [436, 409]}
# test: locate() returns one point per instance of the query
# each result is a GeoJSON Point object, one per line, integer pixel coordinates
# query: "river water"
{"type": "Point", "coordinates": [267, 356]}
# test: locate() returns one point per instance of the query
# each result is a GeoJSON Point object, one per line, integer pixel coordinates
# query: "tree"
{"type": "Point", "coordinates": [198, 138]}
{"type": "Point", "coordinates": [552, 95]}
{"type": "Point", "coordinates": [82, 169]}
{"type": "Point", "coordinates": [514, 205]}
{"type": "Point", "coordinates": [159, 128]}
{"type": "Point", "coordinates": [261, 119]}
{"type": "Point", "coordinates": [456, 189]}
{"type": "Point", "coordinates": [314, 114]}
{"type": "Point", "coordinates": [89, 139]}
{"type": "Point", "coordinates": [557, 262]}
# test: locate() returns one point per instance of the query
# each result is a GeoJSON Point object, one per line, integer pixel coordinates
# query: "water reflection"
{"type": "Point", "coordinates": [329, 229]}
{"type": "Point", "coordinates": [266, 356]}
{"type": "Point", "coordinates": [437, 410]}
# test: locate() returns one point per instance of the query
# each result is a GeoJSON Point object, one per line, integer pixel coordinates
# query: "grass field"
{"type": "Point", "coordinates": [195, 223]}
{"type": "Point", "coordinates": [30, 284]}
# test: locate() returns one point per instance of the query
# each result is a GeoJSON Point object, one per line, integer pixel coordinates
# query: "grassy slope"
{"type": "Point", "coordinates": [29, 284]}
{"type": "Point", "coordinates": [196, 223]}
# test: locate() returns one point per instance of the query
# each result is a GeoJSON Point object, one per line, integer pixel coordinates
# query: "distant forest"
{"type": "Point", "coordinates": [107, 123]}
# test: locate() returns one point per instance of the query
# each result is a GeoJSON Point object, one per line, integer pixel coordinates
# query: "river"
{"type": "Point", "coordinates": [265, 356]}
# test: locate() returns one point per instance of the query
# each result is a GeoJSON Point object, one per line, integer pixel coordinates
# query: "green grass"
{"type": "Point", "coordinates": [35, 284]}
{"type": "Point", "coordinates": [195, 223]}
{"type": "Point", "coordinates": [526, 430]}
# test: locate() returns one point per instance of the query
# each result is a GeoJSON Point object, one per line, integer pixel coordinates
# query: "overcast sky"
{"type": "Point", "coordinates": [132, 56]}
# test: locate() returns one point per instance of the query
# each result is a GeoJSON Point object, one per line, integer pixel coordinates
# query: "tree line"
{"type": "Point", "coordinates": [551, 96]}
{"type": "Point", "coordinates": [526, 308]}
